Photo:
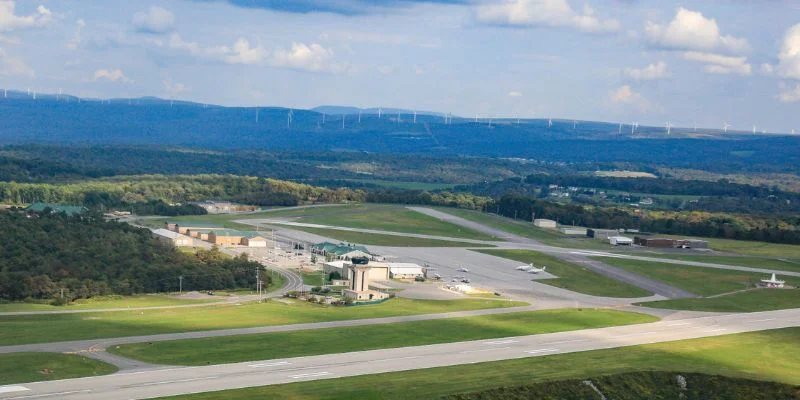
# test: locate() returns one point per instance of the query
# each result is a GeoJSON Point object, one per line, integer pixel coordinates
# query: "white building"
{"type": "Point", "coordinates": [620, 241]}
{"type": "Point", "coordinates": [545, 223]}
{"type": "Point", "coordinates": [405, 271]}
{"type": "Point", "coordinates": [172, 238]}
{"type": "Point", "coordinates": [573, 231]}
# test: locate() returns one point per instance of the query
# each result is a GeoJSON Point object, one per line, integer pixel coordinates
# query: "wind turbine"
{"type": "Point", "coordinates": [669, 128]}
{"type": "Point", "coordinates": [476, 118]}
{"type": "Point", "coordinates": [58, 97]}
{"type": "Point", "coordinates": [257, 115]}
{"type": "Point", "coordinates": [574, 125]}
{"type": "Point", "coordinates": [620, 128]}
{"type": "Point", "coordinates": [289, 118]}
{"type": "Point", "coordinates": [359, 117]}
{"type": "Point", "coordinates": [415, 117]}
{"type": "Point", "coordinates": [549, 123]}
{"type": "Point", "coordinates": [380, 111]}
{"type": "Point", "coordinates": [343, 118]}
{"type": "Point", "coordinates": [323, 118]}
{"type": "Point", "coordinates": [754, 129]}
{"type": "Point", "coordinates": [725, 127]}
{"type": "Point", "coordinates": [5, 93]}
{"type": "Point", "coordinates": [633, 127]}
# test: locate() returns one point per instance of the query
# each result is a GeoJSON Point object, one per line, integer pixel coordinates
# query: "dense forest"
{"type": "Point", "coordinates": [87, 256]}
{"type": "Point", "coordinates": [721, 225]}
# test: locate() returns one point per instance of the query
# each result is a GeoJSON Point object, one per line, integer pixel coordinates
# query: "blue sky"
{"type": "Point", "coordinates": [703, 62]}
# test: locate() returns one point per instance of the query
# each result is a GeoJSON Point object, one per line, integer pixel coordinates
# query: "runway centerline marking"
{"type": "Point", "coordinates": [636, 334]}
{"type": "Point", "coordinates": [502, 342]}
{"type": "Point", "coordinates": [539, 351]}
{"type": "Point", "coordinates": [566, 341]}
{"type": "Point", "coordinates": [177, 381]}
{"type": "Point", "coordinates": [715, 330]}
{"type": "Point", "coordinates": [763, 320]}
{"type": "Point", "coordinates": [679, 324]}
{"type": "Point", "coordinates": [263, 365]}
{"type": "Point", "coordinates": [482, 350]}
{"type": "Point", "coordinates": [34, 396]}
{"type": "Point", "coordinates": [12, 389]}
{"type": "Point", "coordinates": [398, 358]}
{"type": "Point", "coordinates": [312, 375]}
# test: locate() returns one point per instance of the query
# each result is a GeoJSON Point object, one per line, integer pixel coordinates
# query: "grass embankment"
{"type": "Point", "coordinates": [526, 229]}
{"type": "Point", "coordinates": [699, 280]}
{"type": "Point", "coordinates": [108, 302]}
{"type": "Point", "coordinates": [62, 327]}
{"type": "Point", "coordinates": [749, 301]}
{"type": "Point", "coordinates": [313, 278]}
{"type": "Point", "coordinates": [642, 385]}
{"type": "Point", "coordinates": [740, 261]}
{"type": "Point", "coordinates": [571, 276]}
{"type": "Point", "coordinates": [760, 249]}
{"type": "Point", "coordinates": [325, 341]}
{"type": "Point", "coordinates": [33, 367]}
{"type": "Point", "coordinates": [768, 355]}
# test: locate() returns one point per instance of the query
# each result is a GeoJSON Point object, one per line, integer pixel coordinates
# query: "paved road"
{"type": "Point", "coordinates": [174, 381]}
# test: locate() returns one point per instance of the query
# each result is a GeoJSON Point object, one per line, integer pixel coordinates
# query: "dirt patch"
{"type": "Point", "coordinates": [46, 371]}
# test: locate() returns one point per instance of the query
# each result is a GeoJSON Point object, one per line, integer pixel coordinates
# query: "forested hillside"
{"type": "Point", "coordinates": [87, 256]}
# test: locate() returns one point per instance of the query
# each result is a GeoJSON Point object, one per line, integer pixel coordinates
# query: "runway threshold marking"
{"type": "Point", "coordinates": [12, 389]}
{"type": "Point", "coordinates": [312, 375]}
{"type": "Point", "coordinates": [35, 396]}
{"type": "Point", "coordinates": [539, 351]}
{"type": "Point", "coordinates": [264, 365]}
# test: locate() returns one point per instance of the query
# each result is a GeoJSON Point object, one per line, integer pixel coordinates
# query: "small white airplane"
{"type": "Point", "coordinates": [525, 268]}
{"type": "Point", "coordinates": [462, 269]}
{"type": "Point", "coordinates": [535, 270]}
{"type": "Point", "coordinates": [437, 276]}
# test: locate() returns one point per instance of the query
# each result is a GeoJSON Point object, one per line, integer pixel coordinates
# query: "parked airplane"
{"type": "Point", "coordinates": [535, 270]}
{"type": "Point", "coordinates": [462, 269]}
{"type": "Point", "coordinates": [530, 268]}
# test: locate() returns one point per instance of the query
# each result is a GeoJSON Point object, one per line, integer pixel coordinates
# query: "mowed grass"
{"type": "Point", "coordinates": [769, 355]}
{"type": "Point", "coordinates": [394, 218]}
{"type": "Point", "coordinates": [33, 367]}
{"type": "Point", "coordinates": [749, 301]}
{"type": "Point", "coordinates": [750, 248]}
{"type": "Point", "coordinates": [326, 341]}
{"type": "Point", "coordinates": [62, 327]}
{"type": "Point", "coordinates": [571, 276]}
{"type": "Point", "coordinates": [526, 229]}
{"type": "Point", "coordinates": [372, 239]}
{"type": "Point", "coordinates": [107, 302]}
{"type": "Point", "coordinates": [699, 280]}
{"type": "Point", "coordinates": [741, 261]}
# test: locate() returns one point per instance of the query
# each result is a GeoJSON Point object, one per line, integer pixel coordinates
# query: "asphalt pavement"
{"type": "Point", "coordinates": [182, 380]}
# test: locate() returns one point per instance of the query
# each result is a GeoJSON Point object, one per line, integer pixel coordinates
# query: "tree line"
{"type": "Point", "coordinates": [43, 255]}
{"type": "Point", "coordinates": [695, 223]}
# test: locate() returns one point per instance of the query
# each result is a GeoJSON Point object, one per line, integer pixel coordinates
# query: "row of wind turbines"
{"type": "Point", "coordinates": [447, 117]}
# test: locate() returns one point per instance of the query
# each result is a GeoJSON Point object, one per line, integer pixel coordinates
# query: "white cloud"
{"type": "Point", "coordinates": [626, 96]}
{"type": "Point", "coordinates": [514, 93]}
{"type": "Point", "coordinates": [239, 53]}
{"type": "Point", "coordinates": [14, 66]}
{"type": "Point", "coordinates": [76, 39]}
{"type": "Point", "coordinates": [789, 94]}
{"type": "Point", "coordinates": [418, 70]}
{"type": "Point", "coordinates": [767, 69]}
{"type": "Point", "coordinates": [9, 21]}
{"type": "Point", "coordinates": [385, 69]}
{"type": "Point", "coordinates": [651, 72]}
{"type": "Point", "coordinates": [173, 89]}
{"type": "Point", "coordinates": [719, 64]}
{"type": "Point", "coordinates": [311, 57]}
{"type": "Point", "coordinates": [113, 75]}
{"type": "Point", "coordinates": [155, 20]}
{"type": "Point", "coordinates": [789, 57]}
{"type": "Point", "coordinates": [691, 30]}
{"type": "Point", "coordinates": [550, 13]}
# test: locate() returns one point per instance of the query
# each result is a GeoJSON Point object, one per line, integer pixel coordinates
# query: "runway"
{"type": "Point", "coordinates": [174, 381]}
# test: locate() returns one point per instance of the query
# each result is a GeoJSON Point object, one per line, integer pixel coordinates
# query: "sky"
{"type": "Point", "coordinates": [692, 62]}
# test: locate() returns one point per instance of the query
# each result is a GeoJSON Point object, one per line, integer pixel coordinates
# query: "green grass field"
{"type": "Point", "coordinates": [33, 367]}
{"type": "Point", "coordinates": [325, 341]}
{"type": "Point", "coordinates": [749, 301]}
{"type": "Point", "coordinates": [750, 248]}
{"type": "Point", "coordinates": [526, 229]}
{"type": "Point", "coordinates": [741, 261]}
{"type": "Point", "coordinates": [571, 276]}
{"type": "Point", "coordinates": [106, 302]}
{"type": "Point", "coordinates": [61, 327]}
{"type": "Point", "coordinates": [770, 355]}
{"type": "Point", "coordinates": [395, 218]}
{"type": "Point", "coordinates": [313, 278]}
{"type": "Point", "coordinates": [698, 280]}
{"type": "Point", "coordinates": [371, 239]}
